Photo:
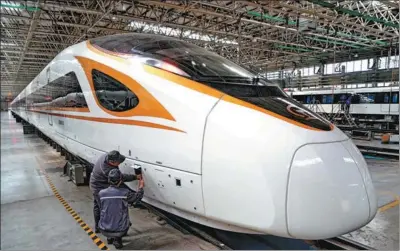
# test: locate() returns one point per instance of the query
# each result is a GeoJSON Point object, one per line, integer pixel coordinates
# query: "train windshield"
{"type": "Point", "coordinates": [193, 60]}
{"type": "Point", "coordinates": [190, 61]}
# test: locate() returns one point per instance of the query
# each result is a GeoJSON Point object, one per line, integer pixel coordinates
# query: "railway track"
{"type": "Point", "coordinates": [340, 243]}
{"type": "Point", "coordinates": [379, 151]}
{"type": "Point", "coordinates": [182, 226]}
{"type": "Point", "coordinates": [371, 129]}
{"type": "Point", "coordinates": [337, 243]}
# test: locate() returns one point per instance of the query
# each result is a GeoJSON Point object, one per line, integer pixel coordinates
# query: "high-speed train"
{"type": "Point", "coordinates": [376, 106]}
{"type": "Point", "coordinates": [217, 145]}
{"type": "Point", "coordinates": [366, 101]}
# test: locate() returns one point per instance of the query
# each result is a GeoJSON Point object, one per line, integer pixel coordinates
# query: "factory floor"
{"type": "Point", "coordinates": [383, 231]}
{"type": "Point", "coordinates": [41, 210]}
{"type": "Point", "coordinates": [376, 143]}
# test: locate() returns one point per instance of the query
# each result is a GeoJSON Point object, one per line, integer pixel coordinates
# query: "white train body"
{"type": "Point", "coordinates": [241, 167]}
{"type": "Point", "coordinates": [374, 108]}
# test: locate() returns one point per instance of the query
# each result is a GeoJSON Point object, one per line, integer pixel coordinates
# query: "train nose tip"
{"type": "Point", "coordinates": [328, 193]}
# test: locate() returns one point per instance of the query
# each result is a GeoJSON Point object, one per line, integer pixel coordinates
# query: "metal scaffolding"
{"type": "Point", "coordinates": [262, 35]}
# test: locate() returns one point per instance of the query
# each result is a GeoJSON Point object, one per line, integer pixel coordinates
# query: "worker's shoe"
{"type": "Point", "coordinates": [118, 243]}
{"type": "Point", "coordinates": [110, 241]}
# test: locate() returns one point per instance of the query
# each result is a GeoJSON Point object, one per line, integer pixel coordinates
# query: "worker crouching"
{"type": "Point", "coordinates": [114, 217]}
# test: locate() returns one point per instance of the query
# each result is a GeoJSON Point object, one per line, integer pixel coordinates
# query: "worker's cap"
{"type": "Point", "coordinates": [115, 156]}
{"type": "Point", "coordinates": [114, 176]}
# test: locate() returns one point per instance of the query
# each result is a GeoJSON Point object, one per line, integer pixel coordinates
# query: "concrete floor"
{"type": "Point", "coordinates": [383, 231]}
{"type": "Point", "coordinates": [32, 218]}
{"type": "Point", "coordinates": [376, 143]}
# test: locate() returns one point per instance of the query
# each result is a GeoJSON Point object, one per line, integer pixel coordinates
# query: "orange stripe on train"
{"type": "Point", "coordinates": [66, 109]}
{"type": "Point", "coordinates": [114, 121]}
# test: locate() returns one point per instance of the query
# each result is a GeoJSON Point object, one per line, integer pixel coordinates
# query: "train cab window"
{"type": "Point", "coordinates": [112, 94]}
{"type": "Point", "coordinates": [173, 55]}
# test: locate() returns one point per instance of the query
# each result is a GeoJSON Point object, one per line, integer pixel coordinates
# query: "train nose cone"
{"type": "Point", "coordinates": [330, 192]}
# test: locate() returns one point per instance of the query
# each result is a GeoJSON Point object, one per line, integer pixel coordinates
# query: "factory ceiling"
{"type": "Point", "coordinates": [261, 35]}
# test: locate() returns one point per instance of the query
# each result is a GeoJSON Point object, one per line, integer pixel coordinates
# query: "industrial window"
{"type": "Point", "coordinates": [112, 94]}
{"type": "Point", "coordinates": [64, 91]}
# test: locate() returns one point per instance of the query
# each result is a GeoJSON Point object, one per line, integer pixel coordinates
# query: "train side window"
{"type": "Point", "coordinates": [112, 94]}
{"type": "Point", "coordinates": [64, 91]}
{"type": "Point", "coordinates": [395, 98]}
{"type": "Point", "coordinates": [329, 99]}
{"type": "Point", "coordinates": [386, 97]}
{"type": "Point", "coordinates": [379, 98]}
{"type": "Point", "coordinates": [72, 91]}
{"type": "Point", "coordinates": [336, 98]}
{"type": "Point", "coordinates": [371, 96]}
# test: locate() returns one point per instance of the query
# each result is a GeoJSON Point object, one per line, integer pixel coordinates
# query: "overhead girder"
{"type": "Point", "coordinates": [258, 34]}
{"type": "Point", "coordinates": [197, 10]}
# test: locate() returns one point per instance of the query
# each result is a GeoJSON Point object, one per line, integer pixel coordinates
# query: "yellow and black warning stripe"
{"type": "Point", "coordinates": [99, 243]}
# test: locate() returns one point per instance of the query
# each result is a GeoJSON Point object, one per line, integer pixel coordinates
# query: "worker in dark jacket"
{"type": "Point", "coordinates": [99, 178]}
{"type": "Point", "coordinates": [114, 218]}
{"type": "Point", "coordinates": [342, 102]}
{"type": "Point", "coordinates": [348, 102]}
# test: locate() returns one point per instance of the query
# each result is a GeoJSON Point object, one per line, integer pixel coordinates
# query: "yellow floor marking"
{"type": "Point", "coordinates": [96, 240]}
{"type": "Point", "coordinates": [390, 205]}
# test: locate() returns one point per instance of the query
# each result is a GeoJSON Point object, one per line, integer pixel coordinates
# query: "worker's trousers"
{"type": "Point", "coordinates": [96, 209]}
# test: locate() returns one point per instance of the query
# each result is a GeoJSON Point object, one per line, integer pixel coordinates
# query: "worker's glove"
{"type": "Point", "coordinates": [139, 196]}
